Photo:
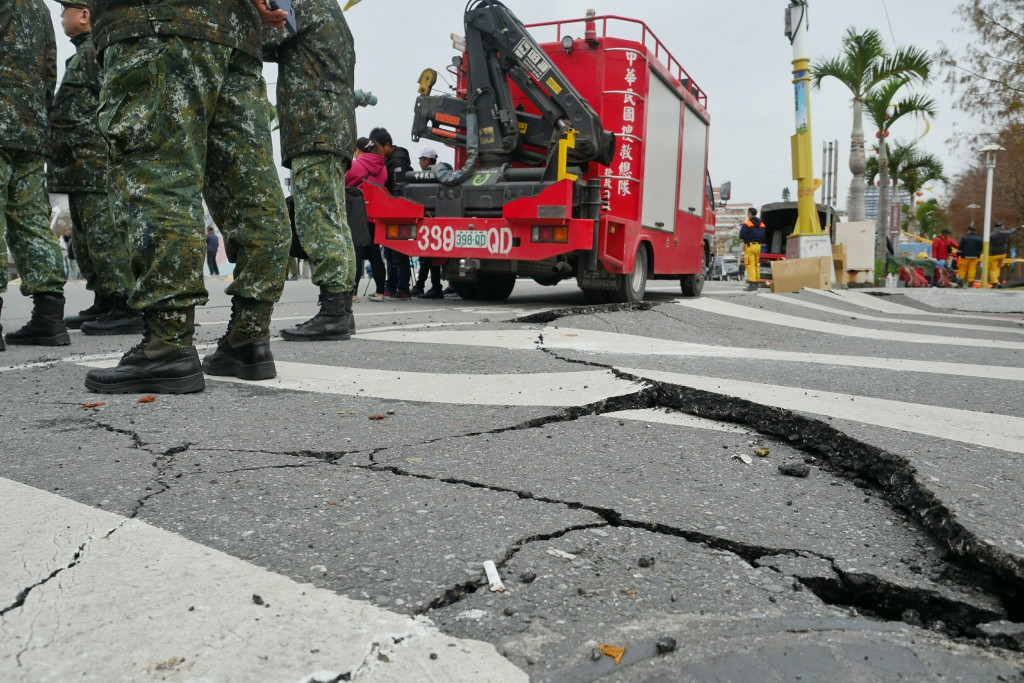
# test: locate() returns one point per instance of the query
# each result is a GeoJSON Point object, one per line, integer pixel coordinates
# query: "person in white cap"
{"type": "Point", "coordinates": [428, 157]}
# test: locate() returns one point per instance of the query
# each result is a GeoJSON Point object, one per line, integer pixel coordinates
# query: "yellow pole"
{"type": "Point", "coordinates": [807, 222]}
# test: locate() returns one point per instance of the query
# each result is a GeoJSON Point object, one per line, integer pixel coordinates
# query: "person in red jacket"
{"type": "Point", "coordinates": [942, 251]}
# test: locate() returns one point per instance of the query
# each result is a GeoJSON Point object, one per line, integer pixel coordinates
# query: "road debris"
{"type": "Point", "coordinates": [561, 553]}
{"type": "Point", "coordinates": [794, 469]}
{"type": "Point", "coordinates": [612, 651]}
{"type": "Point", "coordinates": [762, 452]}
{"type": "Point", "coordinates": [743, 457]}
{"type": "Point", "coordinates": [492, 577]}
{"type": "Point", "coordinates": [93, 405]}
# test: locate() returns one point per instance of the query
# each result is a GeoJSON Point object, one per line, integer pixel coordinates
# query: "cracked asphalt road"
{"type": "Point", "coordinates": [560, 442]}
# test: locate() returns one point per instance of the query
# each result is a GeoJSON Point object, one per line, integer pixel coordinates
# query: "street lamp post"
{"type": "Point", "coordinates": [973, 208]}
{"type": "Point", "coordinates": [990, 164]}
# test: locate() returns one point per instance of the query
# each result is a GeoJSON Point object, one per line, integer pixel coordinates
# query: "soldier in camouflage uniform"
{"type": "Point", "coordinates": [315, 107]}
{"type": "Point", "coordinates": [78, 169]}
{"type": "Point", "coordinates": [28, 74]}
{"type": "Point", "coordinates": [183, 107]}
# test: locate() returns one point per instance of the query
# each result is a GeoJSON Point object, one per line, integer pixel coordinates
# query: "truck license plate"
{"type": "Point", "coordinates": [471, 239]}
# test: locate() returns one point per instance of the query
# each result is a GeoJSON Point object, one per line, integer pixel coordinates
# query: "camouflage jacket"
{"type": "Point", "coordinates": [28, 74]}
{"type": "Point", "coordinates": [229, 22]}
{"type": "Point", "coordinates": [79, 151]}
{"type": "Point", "coordinates": [316, 69]}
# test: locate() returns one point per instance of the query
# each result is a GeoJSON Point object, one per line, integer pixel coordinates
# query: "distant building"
{"type": "Point", "coordinates": [871, 200]}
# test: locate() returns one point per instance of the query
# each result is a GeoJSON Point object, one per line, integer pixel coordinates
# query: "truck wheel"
{"type": "Point", "coordinates": [595, 297]}
{"type": "Point", "coordinates": [632, 285]}
{"type": "Point", "coordinates": [494, 286]}
{"type": "Point", "coordinates": [465, 290]}
{"type": "Point", "coordinates": [692, 284]}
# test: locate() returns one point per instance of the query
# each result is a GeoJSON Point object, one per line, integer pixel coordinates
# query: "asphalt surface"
{"type": "Point", "coordinates": [739, 487]}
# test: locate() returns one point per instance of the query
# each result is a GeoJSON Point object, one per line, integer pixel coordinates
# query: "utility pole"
{"type": "Point", "coordinates": [808, 239]}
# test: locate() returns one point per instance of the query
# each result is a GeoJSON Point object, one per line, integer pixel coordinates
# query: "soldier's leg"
{"type": "Point", "coordinates": [36, 252]}
{"type": "Point", "coordinates": [155, 107]}
{"type": "Point", "coordinates": [244, 193]}
{"type": "Point", "coordinates": [80, 243]}
{"type": "Point", "coordinates": [109, 254]}
{"type": "Point", "coordinates": [320, 219]}
{"type": "Point", "coordinates": [107, 245]}
{"type": "Point", "coordinates": [27, 211]}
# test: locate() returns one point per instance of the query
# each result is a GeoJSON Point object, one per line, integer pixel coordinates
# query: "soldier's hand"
{"type": "Point", "coordinates": [271, 17]}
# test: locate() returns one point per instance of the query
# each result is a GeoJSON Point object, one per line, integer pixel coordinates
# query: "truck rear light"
{"type": "Point", "coordinates": [557, 234]}
{"type": "Point", "coordinates": [401, 232]}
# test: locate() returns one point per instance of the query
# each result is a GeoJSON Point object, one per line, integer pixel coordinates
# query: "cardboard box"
{"type": "Point", "coordinates": [792, 275]}
{"type": "Point", "coordinates": [838, 252]}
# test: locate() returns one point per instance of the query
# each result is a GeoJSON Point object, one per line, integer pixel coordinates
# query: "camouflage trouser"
{"type": "Point", "coordinates": [99, 245]}
{"type": "Point", "coordinates": [25, 225]}
{"type": "Point", "coordinates": [318, 179]}
{"type": "Point", "coordinates": [186, 119]}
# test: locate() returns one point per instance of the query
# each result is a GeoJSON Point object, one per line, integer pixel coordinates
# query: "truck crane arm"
{"type": "Point", "coordinates": [499, 49]}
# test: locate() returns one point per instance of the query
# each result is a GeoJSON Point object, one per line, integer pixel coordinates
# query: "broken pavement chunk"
{"type": "Point", "coordinates": [794, 469]}
{"type": "Point", "coordinates": [746, 459]}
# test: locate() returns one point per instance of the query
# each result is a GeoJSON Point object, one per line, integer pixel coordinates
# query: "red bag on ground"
{"type": "Point", "coordinates": [913, 277]}
{"type": "Point", "coordinates": [942, 278]}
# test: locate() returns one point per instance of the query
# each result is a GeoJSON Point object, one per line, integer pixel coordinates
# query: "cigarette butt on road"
{"type": "Point", "coordinates": [492, 577]}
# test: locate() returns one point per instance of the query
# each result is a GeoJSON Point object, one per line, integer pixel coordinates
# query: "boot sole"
{"type": "Point", "coordinates": [59, 340]}
{"type": "Point", "coordinates": [250, 373]}
{"type": "Point", "coordinates": [345, 336]}
{"type": "Point", "coordinates": [137, 329]}
{"type": "Point", "coordinates": [172, 385]}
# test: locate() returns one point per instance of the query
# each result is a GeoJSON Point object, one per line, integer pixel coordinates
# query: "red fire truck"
{"type": "Point", "coordinates": [584, 157]}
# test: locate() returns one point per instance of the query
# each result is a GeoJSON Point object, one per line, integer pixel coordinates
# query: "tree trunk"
{"type": "Point", "coordinates": [858, 163]}
{"type": "Point", "coordinates": [882, 222]}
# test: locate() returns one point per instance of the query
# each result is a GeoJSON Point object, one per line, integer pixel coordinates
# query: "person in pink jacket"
{"type": "Point", "coordinates": [368, 165]}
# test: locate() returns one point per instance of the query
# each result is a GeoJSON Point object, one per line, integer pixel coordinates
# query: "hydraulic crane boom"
{"type": "Point", "coordinates": [499, 49]}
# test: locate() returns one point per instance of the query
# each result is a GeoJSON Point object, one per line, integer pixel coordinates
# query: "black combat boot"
{"type": "Point", "coordinates": [332, 323]}
{"type": "Point", "coordinates": [348, 309]}
{"type": "Point", "coordinates": [165, 362]}
{"type": "Point", "coordinates": [751, 286]}
{"type": "Point", "coordinates": [100, 304]}
{"type": "Point", "coordinates": [240, 355]}
{"type": "Point", "coordinates": [119, 318]}
{"type": "Point", "coordinates": [46, 326]}
{"type": "Point", "coordinates": [3, 345]}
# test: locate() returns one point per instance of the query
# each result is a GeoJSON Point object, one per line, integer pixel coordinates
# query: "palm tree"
{"type": "Point", "coordinates": [885, 111]}
{"type": "Point", "coordinates": [862, 66]}
{"type": "Point", "coordinates": [912, 169]}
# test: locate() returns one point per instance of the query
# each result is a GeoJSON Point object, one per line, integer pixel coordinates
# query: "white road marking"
{"type": "Point", "coordinates": [142, 603]}
{"type": "Point", "coordinates": [556, 389]}
{"type": "Point", "coordinates": [1005, 432]}
{"type": "Point", "coordinates": [676, 419]}
{"type": "Point", "coordinates": [881, 304]}
{"type": "Point", "coordinates": [593, 341]}
{"type": "Point", "coordinates": [899, 321]}
{"type": "Point", "coordinates": [751, 314]}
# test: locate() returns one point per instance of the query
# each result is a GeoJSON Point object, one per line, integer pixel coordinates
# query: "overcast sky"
{"type": "Point", "coordinates": [734, 49]}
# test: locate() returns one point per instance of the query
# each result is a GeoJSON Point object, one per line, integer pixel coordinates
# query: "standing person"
{"type": "Point", "coordinates": [212, 246]}
{"type": "Point", "coordinates": [428, 159]}
{"type": "Point", "coordinates": [369, 164]}
{"type": "Point", "coordinates": [184, 112]}
{"type": "Point", "coordinates": [942, 252]}
{"type": "Point", "coordinates": [998, 245]}
{"type": "Point", "coordinates": [28, 75]}
{"type": "Point", "coordinates": [752, 234]}
{"type": "Point", "coordinates": [398, 163]}
{"type": "Point", "coordinates": [971, 247]}
{"type": "Point", "coordinates": [78, 169]}
{"type": "Point", "coordinates": [316, 71]}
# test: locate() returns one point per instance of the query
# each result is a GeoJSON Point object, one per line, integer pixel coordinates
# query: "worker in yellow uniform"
{"type": "Point", "coordinates": [998, 245]}
{"type": "Point", "coordinates": [752, 234]}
